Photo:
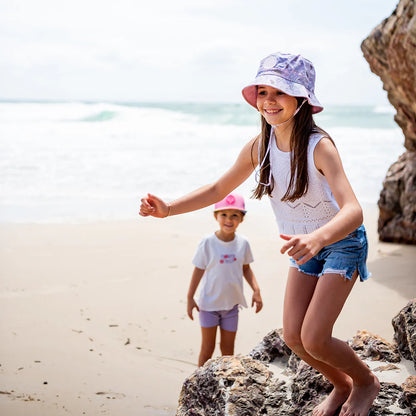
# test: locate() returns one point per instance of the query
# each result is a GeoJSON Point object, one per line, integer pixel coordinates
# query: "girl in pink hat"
{"type": "Point", "coordinates": [221, 261]}
{"type": "Point", "coordinates": [319, 219]}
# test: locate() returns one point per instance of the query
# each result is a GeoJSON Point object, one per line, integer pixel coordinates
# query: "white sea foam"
{"type": "Point", "coordinates": [385, 109]}
{"type": "Point", "coordinates": [71, 161]}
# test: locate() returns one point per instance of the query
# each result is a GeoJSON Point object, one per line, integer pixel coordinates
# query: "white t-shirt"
{"type": "Point", "coordinates": [222, 282]}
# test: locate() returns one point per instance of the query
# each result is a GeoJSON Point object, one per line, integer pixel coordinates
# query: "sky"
{"type": "Point", "coordinates": [181, 50]}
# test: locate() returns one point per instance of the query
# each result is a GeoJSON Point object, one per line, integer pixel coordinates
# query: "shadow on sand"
{"type": "Point", "coordinates": [395, 267]}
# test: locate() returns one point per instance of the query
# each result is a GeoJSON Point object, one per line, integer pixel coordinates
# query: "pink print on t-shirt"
{"type": "Point", "coordinates": [228, 258]}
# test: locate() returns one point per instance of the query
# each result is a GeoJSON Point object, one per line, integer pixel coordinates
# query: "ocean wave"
{"type": "Point", "coordinates": [101, 116]}
{"type": "Point", "coordinates": [93, 158]}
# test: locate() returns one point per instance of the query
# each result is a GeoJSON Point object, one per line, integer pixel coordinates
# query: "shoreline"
{"type": "Point", "coordinates": [98, 310]}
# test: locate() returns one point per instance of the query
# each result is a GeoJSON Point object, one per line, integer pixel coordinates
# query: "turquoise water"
{"type": "Point", "coordinates": [91, 161]}
{"type": "Point", "coordinates": [243, 115]}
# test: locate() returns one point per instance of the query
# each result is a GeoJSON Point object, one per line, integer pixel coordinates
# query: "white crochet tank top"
{"type": "Point", "coordinates": [312, 210]}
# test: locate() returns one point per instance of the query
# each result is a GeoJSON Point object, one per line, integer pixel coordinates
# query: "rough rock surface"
{"type": "Point", "coordinates": [245, 386]}
{"type": "Point", "coordinates": [372, 346]}
{"type": "Point", "coordinates": [233, 386]}
{"type": "Point", "coordinates": [242, 386]}
{"type": "Point", "coordinates": [308, 388]}
{"type": "Point", "coordinates": [390, 50]}
{"type": "Point", "coordinates": [408, 397]}
{"type": "Point", "coordinates": [271, 347]}
{"type": "Point", "coordinates": [404, 324]}
{"type": "Point", "coordinates": [397, 203]}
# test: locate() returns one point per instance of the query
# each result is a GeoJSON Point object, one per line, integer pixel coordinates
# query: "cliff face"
{"type": "Point", "coordinates": [390, 49]}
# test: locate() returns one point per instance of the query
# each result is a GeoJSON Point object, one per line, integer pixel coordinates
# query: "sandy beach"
{"type": "Point", "coordinates": [93, 315]}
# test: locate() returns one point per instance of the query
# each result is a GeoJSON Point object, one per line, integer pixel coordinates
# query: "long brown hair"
{"type": "Point", "coordinates": [304, 125]}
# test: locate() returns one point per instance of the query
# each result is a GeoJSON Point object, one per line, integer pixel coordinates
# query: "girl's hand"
{"type": "Point", "coordinates": [154, 206]}
{"type": "Point", "coordinates": [301, 247]}
{"type": "Point", "coordinates": [190, 306]}
{"type": "Point", "coordinates": [256, 299]}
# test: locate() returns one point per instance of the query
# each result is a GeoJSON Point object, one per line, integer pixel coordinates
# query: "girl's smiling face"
{"type": "Point", "coordinates": [228, 220]}
{"type": "Point", "coordinates": [275, 105]}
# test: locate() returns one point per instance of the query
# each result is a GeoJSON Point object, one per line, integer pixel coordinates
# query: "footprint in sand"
{"type": "Point", "coordinates": [111, 395]}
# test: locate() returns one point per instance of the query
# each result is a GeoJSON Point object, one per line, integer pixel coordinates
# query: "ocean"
{"type": "Point", "coordinates": [82, 161]}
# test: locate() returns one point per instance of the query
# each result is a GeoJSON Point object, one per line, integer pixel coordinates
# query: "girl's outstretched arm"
{"type": "Point", "coordinates": [252, 281]}
{"type": "Point", "coordinates": [246, 162]}
{"type": "Point", "coordinates": [304, 246]}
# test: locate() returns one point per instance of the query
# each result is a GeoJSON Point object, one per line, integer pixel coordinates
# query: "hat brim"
{"type": "Point", "coordinates": [224, 208]}
{"type": "Point", "coordinates": [288, 87]}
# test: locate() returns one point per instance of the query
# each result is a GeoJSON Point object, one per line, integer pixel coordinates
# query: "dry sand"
{"type": "Point", "coordinates": [93, 316]}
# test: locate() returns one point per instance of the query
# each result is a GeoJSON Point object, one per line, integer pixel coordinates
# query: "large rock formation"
{"type": "Point", "coordinates": [271, 381]}
{"type": "Point", "coordinates": [390, 50]}
{"type": "Point", "coordinates": [232, 386]}
{"type": "Point", "coordinates": [404, 324]}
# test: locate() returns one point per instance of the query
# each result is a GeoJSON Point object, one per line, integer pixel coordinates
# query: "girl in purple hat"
{"type": "Point", "coordinates": [319, 219]}
{"type": "Point", "coordinates": [221, 261]}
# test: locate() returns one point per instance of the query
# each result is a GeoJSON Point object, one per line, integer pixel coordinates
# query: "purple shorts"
{"type": "Point", "coordinates": [227, 320]}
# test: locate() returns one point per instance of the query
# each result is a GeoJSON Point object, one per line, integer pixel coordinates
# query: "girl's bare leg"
{"type": "Point", "coordinates": [299, 292]}
{"type": "Point", "coordinates": [227, 342]}
{"type": "Point", "coordinates": [207, 344]}
{"type": "Point", "coordinates": [311, 307]}
{"type": "Point", "coordinates": [326, 304]}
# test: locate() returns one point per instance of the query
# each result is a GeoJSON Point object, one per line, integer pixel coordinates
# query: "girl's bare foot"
{"type": "Point", "coordinates": [361, 399]}
{"type": "Point", "coordinates": [333, 402]}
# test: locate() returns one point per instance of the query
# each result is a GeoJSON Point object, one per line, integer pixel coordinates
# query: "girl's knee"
{"type": "Point", "coordinates": [227, 350]}
{"type": "Point", "coordinates": [292, 340]}
{"type": "Point", "coordinates": [227, 343]}
{"type": "Point", "coordinates": [315, 345]}
{"type": "Point", "coordinates": [208, 340]}
{"type": "Point", "coordinates": [205, 354]}
{"type": "Point", "coordinates": [207, 349]}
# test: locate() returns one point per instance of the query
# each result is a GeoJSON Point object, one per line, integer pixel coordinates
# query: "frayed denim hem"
{"type": "Point", "coordinates": [343, 257]}
{"type": "Point", "coordinates": [342, 272]}
{"type": "Point", "coordinates": [296, 266]}
{"type": "Point", "coordinates": [347, 276]}
{"type": "Point", "coordinates": [347, 273]}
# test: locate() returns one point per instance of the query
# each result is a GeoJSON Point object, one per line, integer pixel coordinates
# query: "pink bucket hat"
{"type": "Point", "coordinates": [232, 201]}
{"type": "Point", "coordinates": [292, 74]}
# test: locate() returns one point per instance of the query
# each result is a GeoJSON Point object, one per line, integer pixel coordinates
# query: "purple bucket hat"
{"type": "Point", "coordinates": [292, 74]}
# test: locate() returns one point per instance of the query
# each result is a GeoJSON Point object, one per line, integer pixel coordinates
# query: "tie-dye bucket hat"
{"type": "Point", "coordinates": [292, 74]}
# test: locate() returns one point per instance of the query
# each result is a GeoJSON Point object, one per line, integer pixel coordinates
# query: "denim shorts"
{"type": "Point", "coordinates": [227, 320]}
{"type": "Point", "coordinates": [343, 257]}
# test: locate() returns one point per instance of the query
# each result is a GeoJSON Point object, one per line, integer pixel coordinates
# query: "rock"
{"type": "Point", "coordinates": [271, 347]}
{"type": "Point", "coordinates": [242, 386]}
{"type": "Point", "coordinates": [387, 401]}
{"type": "Point", "coordinates": [245, 386]}
{"type": "Point", "coordinates": [308, 388]}
{"type": "Point", "coordinates": [232, 386]}
{"type": "Point", "coordinates": [387, 367]}
{"type": "Point", "coordinates": [390, 50]}
{"type": "Point", "coordinates": [408, 397]}
{"type": "Point", "coordinates": [372, 346]}
{"type": "Point", "coordinates": [397, 203]}
{"type": "Point", "coordinates": [293, 363]}
{"type": "Point", "coordinates": [404, 324]}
